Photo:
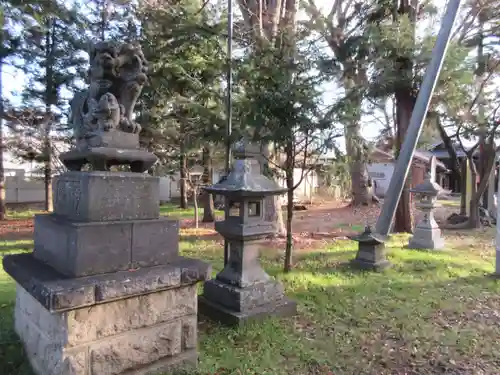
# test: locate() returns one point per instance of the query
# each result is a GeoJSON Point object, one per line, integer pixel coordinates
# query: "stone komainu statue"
{"type": "Point", "coordinates": [116, 76]}
{"type": "Point", "coordinates": [102, 116]}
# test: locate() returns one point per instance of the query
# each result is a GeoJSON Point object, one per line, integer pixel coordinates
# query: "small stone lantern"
{"type": "Point", "coordinates": [427, 233]}
{"type": "Point", "coordinates": [371, 251]}
{"type": "Point", "coordinates": [243, 291]}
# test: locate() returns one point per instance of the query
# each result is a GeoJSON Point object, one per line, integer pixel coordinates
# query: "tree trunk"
{"type": "Point", "coordinates": [195, 204]}
{"type": "Point", "coordinates": [2, 173]}
{"type": "Point", "coordinates": [49, 90]}
{"type": "Point", "coordinates": [463, 188]}
{"type": "Point", "coordinates": [360, 181]}
{"type": "Point", "coordinates": [289, 233]}
{"type": "Point", "coordinates": [405, 101]}
{"type": "Point", "coordinates": [183, 176]}
{"type": "Point", "coordinates": [208, 199]}
{"type": "Point", "coordinates": [289, 208]}
{"type": "Point", "coordinates": [273, 211]}
{"type": "Point", "coordinates": [403, 218]}
{"type": "Point", "coordinates": [478, 191]}
{"type": "Point", "coordinates": [474, 221]}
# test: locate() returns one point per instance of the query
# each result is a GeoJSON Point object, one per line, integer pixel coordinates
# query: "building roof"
{"type": "Point", "coordinates": [419, 155]}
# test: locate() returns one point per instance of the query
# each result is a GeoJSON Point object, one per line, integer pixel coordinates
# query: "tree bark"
{"type": "Point", "coordinates": [2, 171]}
{"type": "Point", "coordinates": [289, 206]}
{"type": "Point", "coordinates": [274, 210]}
{"type": "Point", "coordinates": [360, 181]}
{"type": "Point", "coordinates": [208, 199]}
{"type": "Point", "coordinates": [47, 144]}
{"type": "Point", "coordinates": [183, 176]}
{"type": "Point", "coordinates": [403, 218]}
{"type": "Point", "coordinates": [195, 204]}
{"type": "Point", "coordinates": [405, 101]}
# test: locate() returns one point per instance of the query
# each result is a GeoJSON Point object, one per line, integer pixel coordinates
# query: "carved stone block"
{"type": "Point", "coordinates": [146, 334]}
{"type": "Point", "coordinates": [106, 196]}
{"type": "Point", "coordinates": [90, 248]}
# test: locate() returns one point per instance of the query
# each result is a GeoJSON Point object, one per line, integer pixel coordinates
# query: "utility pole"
{"type": "Point", "coordinates": [371, 254]}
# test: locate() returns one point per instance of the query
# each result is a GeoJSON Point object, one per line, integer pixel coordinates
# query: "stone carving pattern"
{"type": "Point", "coordinates": [69, 192]}
{"type": "Point", "coordinates": [116, 77]}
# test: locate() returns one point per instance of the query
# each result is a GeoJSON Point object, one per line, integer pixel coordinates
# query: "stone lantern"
{"type": "Point", "coordinates": [427, 233]}
{"type": "Point", "coordinates": [243, 291]}
{"type": "Point", "coordinates": [371, 251]}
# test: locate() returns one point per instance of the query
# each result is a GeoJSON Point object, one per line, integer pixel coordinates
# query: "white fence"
{"type": "Point", "coordinates": [22, 189]}
{"type": "Point", "coordinates": [170, 187]}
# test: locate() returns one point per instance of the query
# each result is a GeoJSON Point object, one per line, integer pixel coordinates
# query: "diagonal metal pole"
{"type": "Point", "coordinates": [229, 109]}
{"type": "Point", "coordinates": [402, 166]}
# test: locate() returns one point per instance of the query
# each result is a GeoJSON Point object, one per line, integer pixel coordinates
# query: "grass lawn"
{"type": "Point", "coordinates": [431, 313]}
{"type": "Point", "coordinates": [171, 209]}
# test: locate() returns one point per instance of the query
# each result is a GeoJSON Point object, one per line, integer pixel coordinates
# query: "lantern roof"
{"type": "Point", "coordinates": [428, 187]}
{"type": "Point", "coordinates": [369, 236]}
{"type": "Point", "coordinates": [241, 182]}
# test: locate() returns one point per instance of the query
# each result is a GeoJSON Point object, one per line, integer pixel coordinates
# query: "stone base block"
{"type": "Point", "coordinates": [371, 257]}
{"type": "Point", "coordinates": [127, 323]}
{"type": "Point", "coordinates": [106, 196]}
{"type": "Point", "coordinates": [146, 334]}
{"type": "Point", "coordinates": [243, 299]}
{"type": "Point", "coordinates": [429, 239]}
{"type": "Point", "coordinates": [81, 249]}
{"type": "Point", "coordinates": [232, 305]}
{"type": "Point", "coordinates": [223, 315]}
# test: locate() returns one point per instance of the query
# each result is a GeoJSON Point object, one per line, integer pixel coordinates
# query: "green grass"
{"type": "Point", "coordinates": [449, 203]}
{"type": "Point", "coordinates": [431, 313]}
{"type": "Point", "coordinates": [19, 214]}
{"type": "Point", "coordinates": [168, 209]}
{"type": "Point", "coordinates": [173, 210]}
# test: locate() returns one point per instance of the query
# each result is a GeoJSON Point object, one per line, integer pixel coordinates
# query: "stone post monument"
{"type": "Point", "coordinates": [105, 291]}
{"type": "Point", "coordinates": [243, 291]}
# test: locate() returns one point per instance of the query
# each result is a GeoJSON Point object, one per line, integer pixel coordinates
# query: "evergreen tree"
{"type": "Point", "coordinates": [280, 102]}
{"type": "Point", "coordinates": [51, 50]}
{"type": "Point", "coordinates": [186, 56]}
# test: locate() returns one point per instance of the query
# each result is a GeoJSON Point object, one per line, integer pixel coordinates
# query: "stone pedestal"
{"type": "Point", "coordinates": [105, 291]}
{"type": "Point", "coordinates": [243, 291]}
{"type": "Point", "coordinates": [427, 234]}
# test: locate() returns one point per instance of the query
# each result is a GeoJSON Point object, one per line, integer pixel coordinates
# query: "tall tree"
{"type": "Point", "coordinates": [268, 24]}
{"type": "Point", "coordinates": [343, 28]}
{"type": "Point", "coordinates": [281, 103]}
{"type": "Point", "coordinates": [52, 46]}
{"type": "Point", "coordinates": [185, 52]}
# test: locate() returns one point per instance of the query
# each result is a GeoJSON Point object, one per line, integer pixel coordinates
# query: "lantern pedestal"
{"type": "Point", "coordinates": [231, 305]}
{"type": "Point", "coordinates": [243, 291]}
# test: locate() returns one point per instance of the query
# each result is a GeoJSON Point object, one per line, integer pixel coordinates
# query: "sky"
{"type": "Point", "coordinates": [14, 80]}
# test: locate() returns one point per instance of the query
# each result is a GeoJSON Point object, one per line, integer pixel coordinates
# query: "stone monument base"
{"type": "Point", "coordinates": [426, 238]}
{"type": "Point", "coordinates": [232, 306]}
{"type": "Point", "coordinates": [141, 322]}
